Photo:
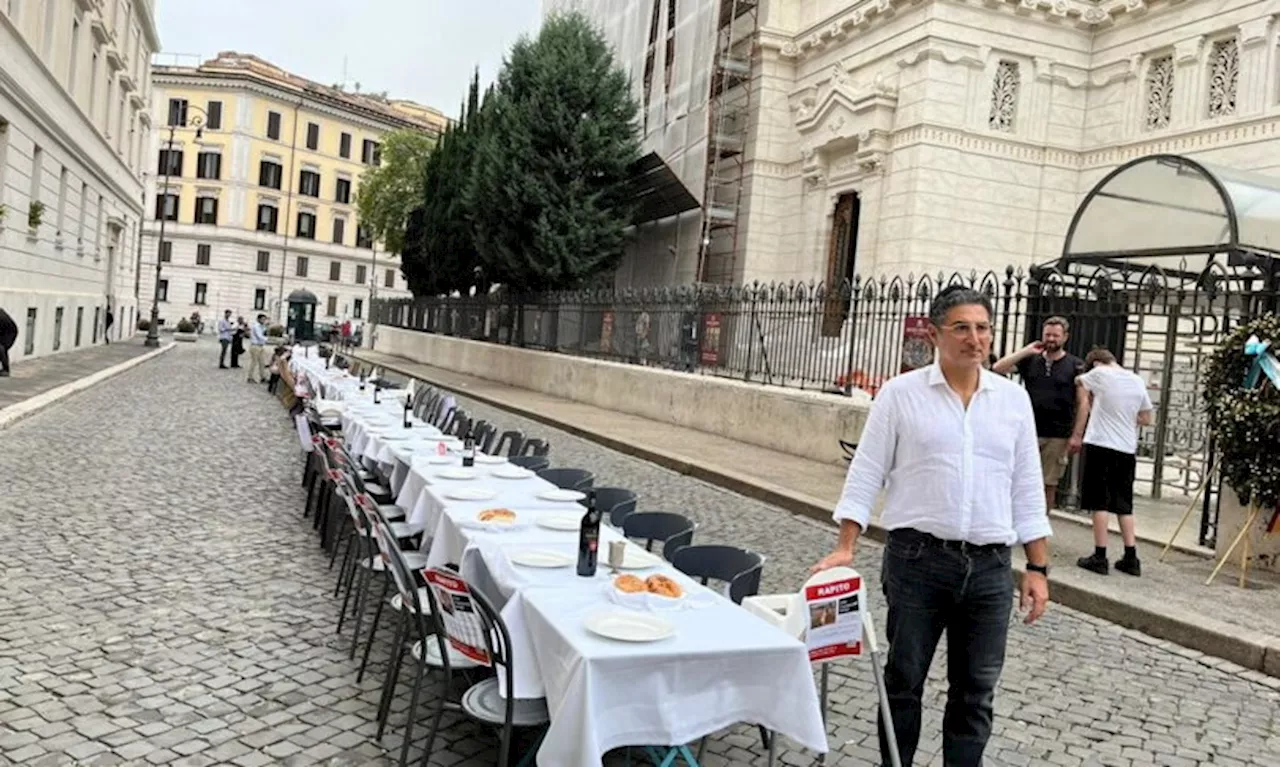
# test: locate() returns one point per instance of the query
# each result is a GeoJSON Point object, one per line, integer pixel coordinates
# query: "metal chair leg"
{"type": "Point", "coordinates": [362, 597]}
{"type": "Point", "coordinates": [373, 629]}
{"type": "Point", "coordinates": [350, 578]}
{"type": "Point", "coordinates": [413, 710]}
{"type": "Point", "coordinates": [393, 676]}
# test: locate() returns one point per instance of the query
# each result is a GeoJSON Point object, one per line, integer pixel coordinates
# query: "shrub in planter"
{"type": "Point", "coordinates": [185, 326]}
{"type": "Point", "coordinates": [35, 214]}
{"type": "Point", "coordinates": [144, 325]}
{"type": "Point", "coordinates": [276, 330]}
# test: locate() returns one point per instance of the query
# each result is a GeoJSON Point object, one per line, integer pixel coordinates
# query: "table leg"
{"type": "Point", "coordinates": [824, 678]}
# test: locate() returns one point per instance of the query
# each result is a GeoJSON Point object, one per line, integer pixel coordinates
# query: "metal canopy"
{"type": "Point", "coordinates": [656, 190]}
{"type": "Point", "coordinates": [1178, 214]}
{"type": "Point", "coordinates": [302, 296]}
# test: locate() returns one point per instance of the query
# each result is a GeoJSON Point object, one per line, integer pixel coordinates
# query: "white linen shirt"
{"type": "Point", "coordinates": [955, 473]}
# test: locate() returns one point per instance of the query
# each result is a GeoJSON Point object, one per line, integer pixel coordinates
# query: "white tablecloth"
{"type": "Point", "coordinates": [723, 666]}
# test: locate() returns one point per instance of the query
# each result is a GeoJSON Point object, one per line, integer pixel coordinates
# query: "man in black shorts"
{"type": "Point", "coordinates": [1112, 403]}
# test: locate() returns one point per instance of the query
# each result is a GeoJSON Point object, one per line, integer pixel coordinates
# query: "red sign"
{"type": "Point", "coordinates": [710, 353]}
{"type": "Point", "coordinates": [917, 348]}
{"type": "Point", "coordinates": [834, 627]}
{"type": "Point", "coordinates": [462, 623]}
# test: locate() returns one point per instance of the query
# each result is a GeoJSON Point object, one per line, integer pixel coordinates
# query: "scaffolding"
{"type": "Point", "coordinates": [728, 125]}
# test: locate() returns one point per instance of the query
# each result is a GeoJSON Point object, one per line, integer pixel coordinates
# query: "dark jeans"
{"type": "Point", "coordinates": [273, 382]}
{"type": "Point", "coordinates": [222, 355]}
{"type": "Point", "coordinates": [931, 588]}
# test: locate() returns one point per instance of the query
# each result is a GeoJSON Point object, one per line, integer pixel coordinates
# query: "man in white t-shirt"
{"type": "Point", "coordinates": [1113, 403]}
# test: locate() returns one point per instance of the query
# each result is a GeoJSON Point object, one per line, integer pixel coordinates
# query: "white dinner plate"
{"type": "Point", "coordinates": [490, 459]}
{"type": "Point", "coordinates": [628, 626]}
{"type": "Point", "coordinates": [561, 495]}
{"type": "Point", "coordinates": [396, 436]}
{"type": "Point", "coordinates": [456, 474]}
{"type": "Point", "coordinates": [559, 521]}
{"type": "Point", "coordinates": [637, 558]}
{"type": "Point", "coordinates": [438, 460]}
{"type": "Point", "coordinates": [511, 471]}
{"type": "Point", "coordinates": [541, 558]}
{"type": "Point", "coordinates": [470, 494]}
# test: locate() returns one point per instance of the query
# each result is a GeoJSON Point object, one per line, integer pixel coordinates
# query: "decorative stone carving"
{"type": "Point", "coordinates": [1004, 96]}
{"type": "Point", "coordinates": [838, 76]}
{"type": "Point", "coordinates": [1224, 75]}
{"type": "Point", "coordinates": [1160, 93]}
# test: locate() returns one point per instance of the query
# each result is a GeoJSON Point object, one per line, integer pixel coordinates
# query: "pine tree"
{"type": "Point", "coordinates": [559, 135]}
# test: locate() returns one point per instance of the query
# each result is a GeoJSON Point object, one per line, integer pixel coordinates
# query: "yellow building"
{"type": "Point", "coordinates": [262, 201]}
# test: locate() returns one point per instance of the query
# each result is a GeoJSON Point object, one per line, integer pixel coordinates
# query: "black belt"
{"type": "Point", "coordinates": [908, 535]}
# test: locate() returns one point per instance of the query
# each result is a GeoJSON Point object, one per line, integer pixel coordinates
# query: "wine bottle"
{"type": "Point", "coordinates": [469, 450]}
{"type": "Point", "coordinates": [589, 538]}
{"type": "Point", "coordinates": [377, 392]}
{"type": "Point", "coordinates": [407, 423]}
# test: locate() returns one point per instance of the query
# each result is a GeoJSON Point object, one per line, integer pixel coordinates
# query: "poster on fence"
{"type": "Point", "coordinates": [462, 622]}
{"type": "Point", "coordinates": [710, 354]}
{"type": "Point", "coordinates": [917, 349]}
{"type": "Point", "coordinates": [606, 332]}
{"type": "Point", "coordinates": [833, 617]}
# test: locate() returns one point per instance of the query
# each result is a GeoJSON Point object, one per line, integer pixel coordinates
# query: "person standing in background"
{"type": "Point", "coordinates": [225, 332]}
{"type": "Point", "coordinates": [106, 325]}
{"type": "Point", "coordinates": [8, 335]}
{"type": "Point", "coordinates": [257, 345]}
{"type": "Point", "coordinates": [237, 341]}
{"type": "Point", "coordinates": [1113, 403]}
{"type": "Point", "coordinates": [1049, 372]}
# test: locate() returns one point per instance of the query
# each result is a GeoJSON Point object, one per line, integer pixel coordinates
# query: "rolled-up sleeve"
{"type": "Point", "coordinates": [871, 463]}
{"type": "Point", "coordinates": [1030, 519]}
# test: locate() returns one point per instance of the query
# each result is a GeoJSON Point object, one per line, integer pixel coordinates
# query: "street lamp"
{"type": "Point", "coordinates": [197, 122]}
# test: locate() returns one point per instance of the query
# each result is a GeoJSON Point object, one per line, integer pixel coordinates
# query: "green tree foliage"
{"type": "Point", "coordinates": [555, 144]}
{"type": "Point", "coordinates": [440, 254]}
{"type": "Point", "coordinates": [389, 191]}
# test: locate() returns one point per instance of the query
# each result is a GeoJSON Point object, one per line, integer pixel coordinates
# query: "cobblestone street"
{"type": "Point", "coordinates": [162, 602]}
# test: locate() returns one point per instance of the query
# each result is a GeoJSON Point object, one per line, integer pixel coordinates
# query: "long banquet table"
{"type": "Point", "coordinates": [723, 665]}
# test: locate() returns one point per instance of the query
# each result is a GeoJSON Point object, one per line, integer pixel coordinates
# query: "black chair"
{"type": "Point", "coordinates": [739, 568]}
{"type": "Point", "coordinates": [672, 530]}
{"type": "Point", "coordinates": [484, 701]}
{"type": "Point", "coordinates": [569, 479]}
{"type": "Point", "coordinates": [484, 434]}
{"type": "Point", "coordinates": [530, 462]}
{"type": "Point", "coordinates": [510, 443]}
{"type": "Point", "coordinates": [616, 503]}
{"type": "Point", "coordinates": [535, 447]}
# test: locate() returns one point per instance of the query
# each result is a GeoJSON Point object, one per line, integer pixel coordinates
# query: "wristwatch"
{"type": "Point", "coordinates": [1042, 569]}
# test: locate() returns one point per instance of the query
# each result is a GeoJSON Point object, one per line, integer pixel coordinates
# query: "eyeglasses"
{"type": "Point", "coordinates": [965, 329]}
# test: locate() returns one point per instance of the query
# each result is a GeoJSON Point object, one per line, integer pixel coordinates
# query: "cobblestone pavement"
{"type": "Point", "coordinates": [36, 376]}
{"type": "Point", "coordinates": [161, 602]}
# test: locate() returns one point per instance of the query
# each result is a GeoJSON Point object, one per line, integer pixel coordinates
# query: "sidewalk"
{"type": "Point", "coordinates": [1169, 602]}
{"type": "Point", "coordinates": [32, 384]}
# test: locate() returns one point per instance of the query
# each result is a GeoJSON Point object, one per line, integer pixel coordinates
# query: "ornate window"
{"type": "Point", "coordinates": [1224, 72]}
{"type": "Point", "coordinates": [1004, 96]}
{"type": "Point", "coordinates": [1160, 92]}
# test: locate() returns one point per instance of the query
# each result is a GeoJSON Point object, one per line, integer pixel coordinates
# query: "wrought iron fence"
{"type": "Point", "coordinates": [801, 335]}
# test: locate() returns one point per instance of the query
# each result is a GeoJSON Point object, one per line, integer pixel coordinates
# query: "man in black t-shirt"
{"type": "Point", "coordinates": [1049, 373]}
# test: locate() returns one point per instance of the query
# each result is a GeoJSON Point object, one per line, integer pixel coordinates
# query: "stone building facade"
{"type": "Point", "coordinates": [74, 87]}
{"type": "Point", "coordinates": [887, 136]}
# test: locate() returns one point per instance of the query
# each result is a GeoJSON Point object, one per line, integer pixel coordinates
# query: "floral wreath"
{"type": "Point", "coordinates": [1242, 397]}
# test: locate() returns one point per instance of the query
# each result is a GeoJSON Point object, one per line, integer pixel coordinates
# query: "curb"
{"type": "Point", "coordinates": [15, 413]}
{"type": "Point", "coordinates": [1253, 651]}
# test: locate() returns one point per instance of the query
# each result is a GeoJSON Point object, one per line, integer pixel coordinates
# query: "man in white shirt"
{"type": "Point", "coordinates": [225, 330]}
{"type": "Point", "coordinates": [257, 345]}
{"type": "Point", "coordinates": [1111, 403]}
{"type": "Point", "coordinates": [954, 447]}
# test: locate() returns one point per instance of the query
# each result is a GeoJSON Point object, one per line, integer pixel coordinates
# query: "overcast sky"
{"type": "Point", "coordinates": [423, 50]}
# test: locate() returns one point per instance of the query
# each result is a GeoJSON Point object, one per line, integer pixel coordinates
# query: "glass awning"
{"type": "Point", "coordinates": [1176, 213]}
